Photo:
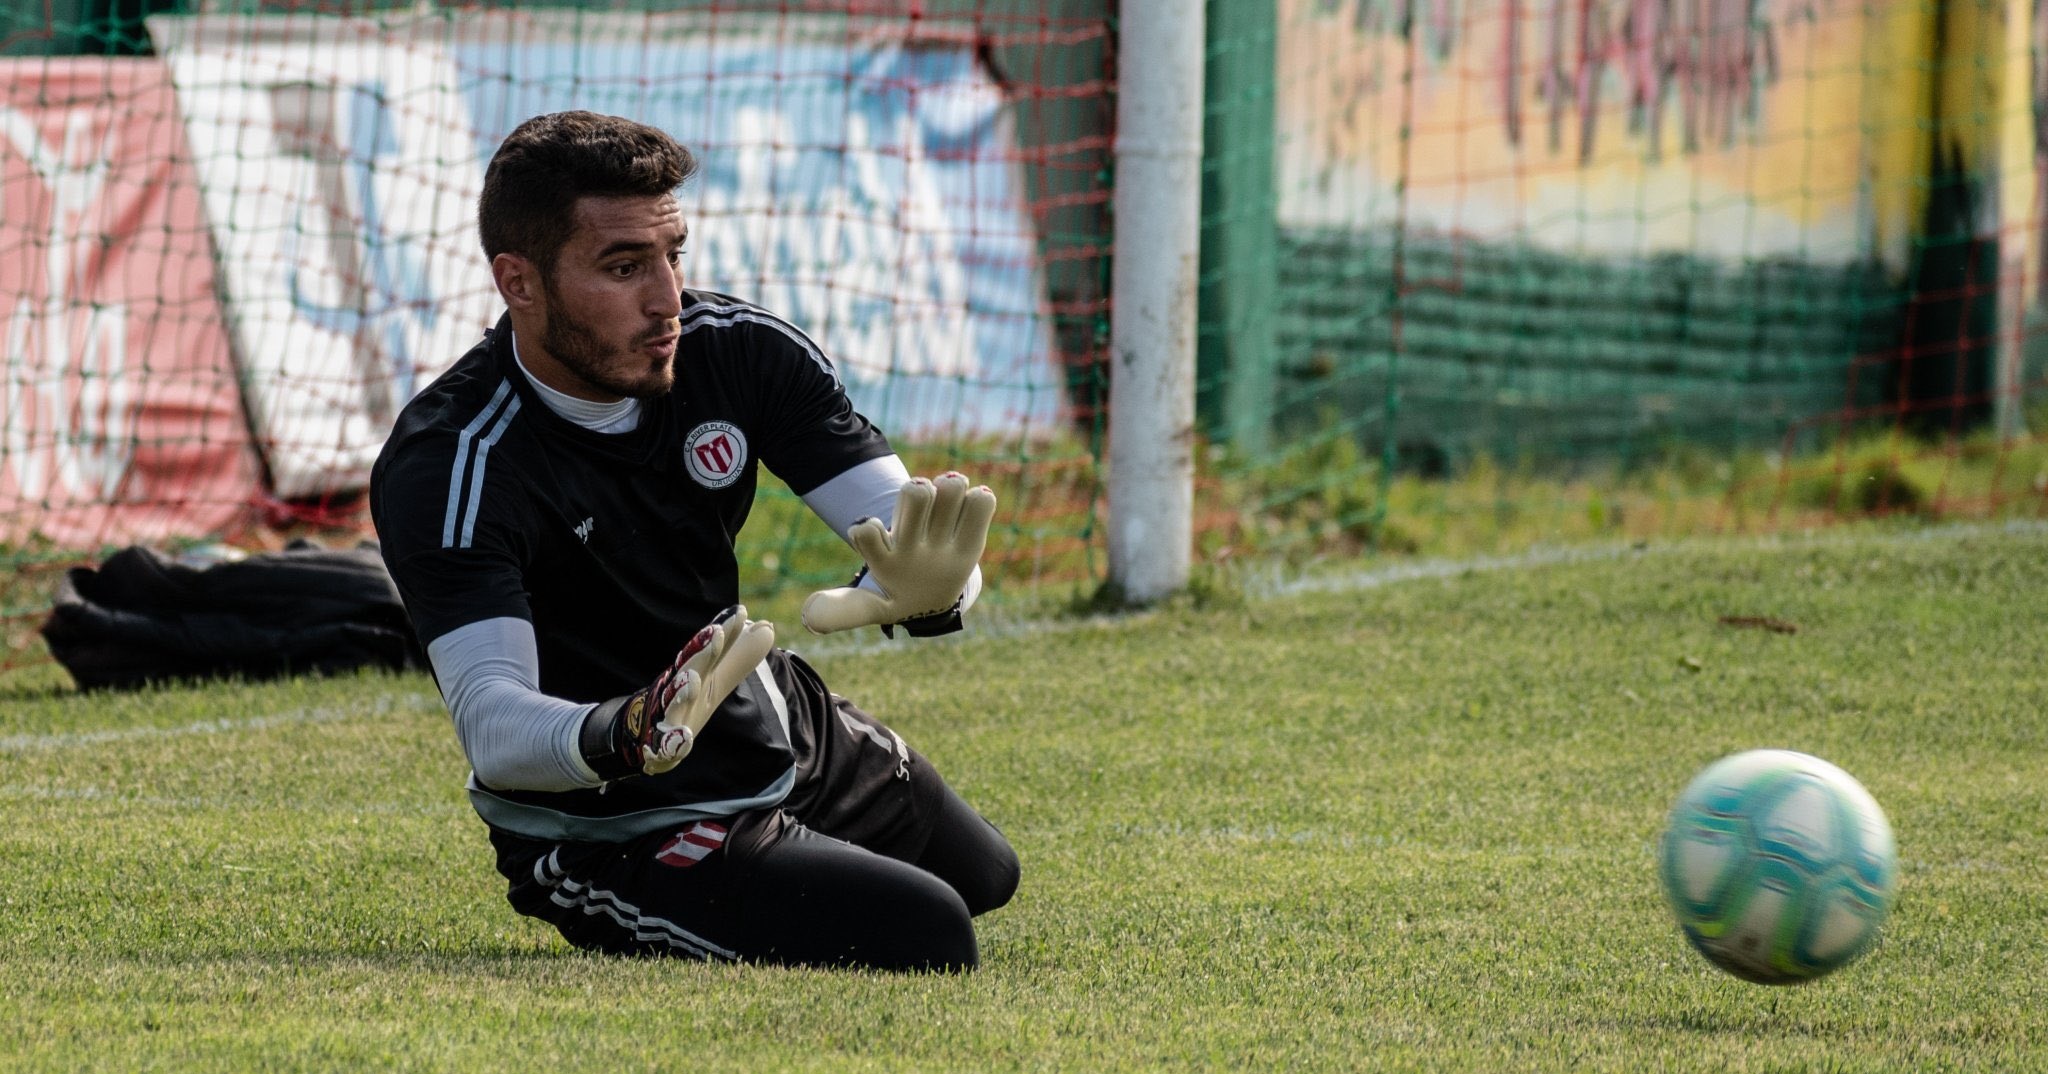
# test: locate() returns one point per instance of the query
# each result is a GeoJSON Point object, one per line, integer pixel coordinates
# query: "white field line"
{"type": "Point", "coordinates": [43, 792]}
{"type": "Point", "coordinates": [991, 624]}
{"type": "Point", "coordinates": [1273, 583]}
{"type": "Point", "coordinates": [409, 701]}
{"type": "Point", "coordinates": [1324, 839]}
{"type": "Point", "coordinates": [1350, 581]}
{"type": "Point", "coordinates": [1318, 838]}
{"type": "Point", "coordinates": [1260, 583]}
{"type": "Point", "coordinates": [379, 706]}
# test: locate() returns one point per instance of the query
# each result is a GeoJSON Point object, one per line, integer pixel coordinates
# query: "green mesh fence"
{"type": "Point", "coordinates": [1485, 274]}
{"type": "Point", "coordinates": [1527, 354]}
{"type": "Point", "coordinates": [238, 236]}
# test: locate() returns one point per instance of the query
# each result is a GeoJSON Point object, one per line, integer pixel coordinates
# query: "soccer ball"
{"type": "Point", "coordinates": [1779, 866]}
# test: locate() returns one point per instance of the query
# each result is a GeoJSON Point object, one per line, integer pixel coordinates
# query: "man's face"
{"type": "Point", "coordinates": [612, 300]}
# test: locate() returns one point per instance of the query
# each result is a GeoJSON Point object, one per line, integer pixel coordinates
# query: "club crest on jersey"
{"type": "Point", "coordinates": [715, 452]}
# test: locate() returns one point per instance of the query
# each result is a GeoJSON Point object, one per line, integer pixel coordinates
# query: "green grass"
{"type": "Point", "coordinates": [1396, 826]}
{"type": "Point", "coordinates": [1324, 497]}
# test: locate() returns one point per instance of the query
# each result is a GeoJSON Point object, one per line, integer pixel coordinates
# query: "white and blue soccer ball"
{"type": "Point", "coordinates": [1779, 866]}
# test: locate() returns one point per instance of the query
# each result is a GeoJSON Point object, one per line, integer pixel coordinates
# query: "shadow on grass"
{"type": "Point", "coordinates": [1750, 1023]}
{"type": "Point", "coordinates": [531, 958]}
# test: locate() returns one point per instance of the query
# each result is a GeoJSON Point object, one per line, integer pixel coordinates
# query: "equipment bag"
{"type": "Point", "coordinates": [142, 618]}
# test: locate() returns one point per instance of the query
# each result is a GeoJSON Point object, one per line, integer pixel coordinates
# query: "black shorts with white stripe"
{"type": "Point", "coordinates": [873, 861]}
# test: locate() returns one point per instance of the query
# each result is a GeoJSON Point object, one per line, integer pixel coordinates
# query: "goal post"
{"type": "Point", "coordinates": [1153, 288]}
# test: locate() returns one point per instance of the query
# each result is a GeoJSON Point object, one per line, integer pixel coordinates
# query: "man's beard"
{"type": "Point", "coordinates": [577, 346]}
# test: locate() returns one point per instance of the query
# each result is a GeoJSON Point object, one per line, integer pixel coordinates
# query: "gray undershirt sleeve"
{"type": "Point", "coordinates": [516, 738]}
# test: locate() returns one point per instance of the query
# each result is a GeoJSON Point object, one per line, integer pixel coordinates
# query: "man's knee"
{"type": "Point", "coordinates": [949, 944]}
{"type": "Point", "coordinates": [922, 925]}
{"type": "Point", "coordinates": [972, 855]}
{"type": "Point", "coordinates": [992, 886]}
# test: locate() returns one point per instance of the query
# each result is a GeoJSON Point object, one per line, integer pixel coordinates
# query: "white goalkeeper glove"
{"type": "Point", "coordinates": [650, 731]}
{"type": "Point", "coordinates": [919, 567]}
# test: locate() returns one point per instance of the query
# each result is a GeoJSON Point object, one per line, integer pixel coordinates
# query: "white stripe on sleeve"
{"type": "Point", "coordinates": [726, 314]}
{"type": "Point", "coordinates": [461, 467]}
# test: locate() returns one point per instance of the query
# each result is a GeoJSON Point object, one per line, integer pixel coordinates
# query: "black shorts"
{"type": "Point", "coordinates": [872, 861]}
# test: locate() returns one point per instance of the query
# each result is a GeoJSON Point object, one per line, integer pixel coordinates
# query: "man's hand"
{"type": "Point", "coordinates": [920, 565]}
{"type": "Point", "coordinates": [650, 731]}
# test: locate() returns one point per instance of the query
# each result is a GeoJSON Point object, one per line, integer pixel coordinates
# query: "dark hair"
{"type": "Point", "coordinates": [550, 161]}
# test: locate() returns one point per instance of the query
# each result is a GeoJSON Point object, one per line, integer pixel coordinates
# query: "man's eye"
{"type": "Point", "coordinates": [623, 271]}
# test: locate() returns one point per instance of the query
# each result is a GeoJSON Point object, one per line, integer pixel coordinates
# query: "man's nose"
{"type": "Point", "coordinates": [665, 292]}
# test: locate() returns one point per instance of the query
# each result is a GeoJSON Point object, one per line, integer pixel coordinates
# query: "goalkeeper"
{"type": "Point", "coordinates": [558, 511]}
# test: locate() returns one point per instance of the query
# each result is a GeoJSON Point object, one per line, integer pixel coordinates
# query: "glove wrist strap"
{"type": "Point", "coordinates": [928, 626]}
{"type": "Point", "coordinates": [609, 745]}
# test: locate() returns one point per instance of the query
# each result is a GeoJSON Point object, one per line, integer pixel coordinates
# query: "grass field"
{"type": "Point", "coordinates": [1358, 826]}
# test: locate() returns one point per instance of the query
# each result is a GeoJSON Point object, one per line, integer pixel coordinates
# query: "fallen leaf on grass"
{"type": "Point", "coordinates": [1760, 622]}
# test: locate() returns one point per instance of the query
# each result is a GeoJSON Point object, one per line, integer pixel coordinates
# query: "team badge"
{"type": "Point", "coordinates": [716, 452]}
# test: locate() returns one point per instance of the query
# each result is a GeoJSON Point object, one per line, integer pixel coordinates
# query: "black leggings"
{"type": "Point", "coordinates": [813, 900]}
{"type": "Point", "coordinates": [971, 856]}
{"type": "Point", "coordinates": [768, 889]}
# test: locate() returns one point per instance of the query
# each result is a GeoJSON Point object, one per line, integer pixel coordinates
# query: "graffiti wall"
{"type": "Point", "coordinates": [1723, 128]}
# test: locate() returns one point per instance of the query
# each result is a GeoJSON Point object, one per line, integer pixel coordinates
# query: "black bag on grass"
{"type": "Point", "coordinates": [142, 618]}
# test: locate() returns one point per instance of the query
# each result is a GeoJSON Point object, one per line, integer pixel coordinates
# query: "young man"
{"type": "Point", "coordinates": [558, 511]}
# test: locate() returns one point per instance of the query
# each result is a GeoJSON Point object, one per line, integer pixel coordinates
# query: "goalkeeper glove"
{"type": "Point", "coordinates": [651, 730]}
{"type": "Point", "coordinates": [918, 567]}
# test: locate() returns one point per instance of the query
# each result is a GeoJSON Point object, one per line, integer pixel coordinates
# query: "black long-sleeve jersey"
{"type": "Point", "coordinates": [616, 547]}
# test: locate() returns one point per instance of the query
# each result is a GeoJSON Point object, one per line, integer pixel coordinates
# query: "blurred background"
{"type": "Point", "coordinates": [1477, 276]}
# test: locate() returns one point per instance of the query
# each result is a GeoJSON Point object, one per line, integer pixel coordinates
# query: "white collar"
{"type": "Point", "coordinates": [622, 416]}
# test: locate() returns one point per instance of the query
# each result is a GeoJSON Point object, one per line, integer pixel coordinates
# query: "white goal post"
{"type": "Point", "coordinates": [1153, 281]}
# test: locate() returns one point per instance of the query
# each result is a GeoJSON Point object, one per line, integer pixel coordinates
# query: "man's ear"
{"type": "Point", "coordinates": [518, 281]}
